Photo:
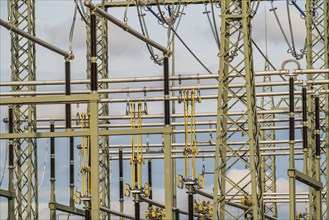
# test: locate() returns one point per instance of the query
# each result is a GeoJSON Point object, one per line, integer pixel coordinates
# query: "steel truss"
{"type": "Point", "coordinates": [236, 40]}
{"type": "Point", "coordinates": [245, 137]}
{"type": "Point", "coordinates": [103, 73]}
{"type": "Point", "coordinates": [24, 69]}
{"type": "Point", "coordinates": [317, 57]}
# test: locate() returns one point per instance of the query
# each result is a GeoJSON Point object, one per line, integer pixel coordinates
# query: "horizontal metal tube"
{"type": "Point", "coordinates": [311, 71]}
{"type": "Point", "coordinates": [178, 151]}
{"type": "Point", "coordinates": [113, 212]}
{"type": "Point", "coordinates": [198, 123]}
{"type": "Point", "coordinates": [150, 99]}
{"type": "Point", "coordinates": [160, 116]}
{"type": "Point", "coordinates": [135, 79]}
{"type": "Point", "coordinates": [286, 153]}
{"type": "Point", "coordinates": [36, 40]}
{"type": "Point", "coordinates": [125, 27]}
{"type": "Point", "coordinates": [261, 142]}
{"type": "Point", "coordinates": [213, 130]}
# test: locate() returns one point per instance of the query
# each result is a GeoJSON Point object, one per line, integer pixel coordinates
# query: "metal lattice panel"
{"type": "Point", "coordinates": [24, 69]}
{"type": "Point", "coordinates": [236, 57]}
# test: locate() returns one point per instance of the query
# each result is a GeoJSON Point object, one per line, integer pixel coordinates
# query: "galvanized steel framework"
{"type": "Point", "coordinates": [236, 40]}
{"type": "Point", "coordinates": [24, 69]}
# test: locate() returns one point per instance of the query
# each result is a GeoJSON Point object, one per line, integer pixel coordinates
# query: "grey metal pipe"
{"type": "Point", "coordinates": [311, 71]}
{"type": "Point", "coordinates": [286, 153]}
{"type": "Point", "coordinates": [178, 151]}
{"type": "Point", "coordinates": [125, 27]}
{"type": "Point", "coordinates": [68, 55]}
{"type": "Point", "coordinates": [134, 79]}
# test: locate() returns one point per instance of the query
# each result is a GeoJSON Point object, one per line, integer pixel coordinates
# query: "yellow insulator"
{"type": "Point", "coordinates": [126, 189]}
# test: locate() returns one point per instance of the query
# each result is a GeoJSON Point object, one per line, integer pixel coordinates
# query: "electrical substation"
{"type": "Point", "coordinates": [169, 109]}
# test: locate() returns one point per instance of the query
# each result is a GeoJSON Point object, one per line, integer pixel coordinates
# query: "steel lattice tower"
{"type": "Point", "coordinates": [236, 40]}
{"type": "Point", "coordinates": [102, 69]}
{"type": "Point", "coordinates": [23, 65]}
{"type": "Point", "coordinates": [317, 57]}
{"type": "Point", "coordinates": [268, 162]}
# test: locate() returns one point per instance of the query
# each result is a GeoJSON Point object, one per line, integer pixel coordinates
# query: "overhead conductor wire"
{"type": "Point", "coordinates": [180, 39]}
{"type": "Point", "coordinates": [142, 23]}
{"type": "Point", "coordinates": [81, 11]}
{"type": "Point", "coordinates": [6, 158]}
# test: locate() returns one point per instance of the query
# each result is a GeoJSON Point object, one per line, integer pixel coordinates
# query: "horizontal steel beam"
{"type": "Point", "coordinates": [68, 55]}
{"type": "Point", "coordinates": [70, 209]}
{"type": "Point", "coordinates": [317, 185]}
{"type": "Point", "coordinates": [116, 213]}
{"type": "Point", "coordinates": [165, 2]}
{"type": "Point", "coordinates": [7, 194]}
{"type": "Point", "coordinates": [49, 99]}
{"type": "Point", "coordinates": [126, 27]}
{"type": "Point", "coordinates": [69, 133]}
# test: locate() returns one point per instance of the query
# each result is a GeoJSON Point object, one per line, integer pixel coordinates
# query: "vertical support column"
{"type": "Point", "coordinates": [317, 25]}
{"type": "Point", "coordinates": [103, 108]}
{"type": "Point", "coordinates": [52, 203]}
{"type": "Point", "coordinates": [94, 159]}
{"type": "Point", "coordinates": [93, 108]}
{"type": "Point", "coordinates": [167, 144]}
{"type": "Point", "coordinates": [291, 170]}
{"type": "Point", "coordinates": [168, 175]}
{"type": "Point", "coordinates": [23, 67]}
{"type": "Point", "coordinates": [268, 162]}
{"type": "Point", "coordinates": [236, 39]}
{"type": "Point", "coordinates": [11, 201]}
{"type": "Point", "coordinates": [173, 136]}
{"type": "Point", "coordinates": [325, 165]}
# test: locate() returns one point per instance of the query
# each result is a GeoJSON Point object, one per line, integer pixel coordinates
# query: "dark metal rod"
{"type": "Point", "coordinates": [11, 187]}
{"type": "Point", "coordinates": [88, 214]}
{"type": "Point", "coordinates": [317, 126]}
{"type": "Point", "coordinates": [125, 27]}
{"type": "Point", "coordinates": [166, 91]}
{"type": "Point", "coordinates": [93, 58]}
{"type": "Point", "coordinates": [52, 153]}
{"type": "Point", "coordinates": [304, 110]}
{"type": "Point", "coordinates": [149, 166]}
{"type": "Point", "coordinates": [190, 206]}
{"type": "Point", "coordinates": [68, 125]}
{"type": "Point", "coordinates": [121, 179]}
{"type": "Point", "coordinates": [11, 130]}
{"type": "Point", "coordinates": [149, 201]}
{"type": "Point", "coordinates": [36, 40]}
{"type": "Point", "coordinates": [291, 109]}
{"type": "Point", "coordinates": [113, 212]}
{"type": "Point", "coordinates": [137, 207]}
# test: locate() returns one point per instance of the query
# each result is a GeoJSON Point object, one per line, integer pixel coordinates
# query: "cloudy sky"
{"type": "Point", "coordinates": [128, 57]}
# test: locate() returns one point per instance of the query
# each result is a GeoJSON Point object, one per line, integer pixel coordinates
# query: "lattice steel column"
{"type": "Point", "coordinates": [236, 58]}
{"type": "Point", "coordinates": [317, 57]}
{"type": "Point", "coordinates": [268, 162]}
{"type": "Point", "coordinates": [24, 69]}
{"type": "Point", "coordinates": [102, 69]}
